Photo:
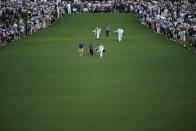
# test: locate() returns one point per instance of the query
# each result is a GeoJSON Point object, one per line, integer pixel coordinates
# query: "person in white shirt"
{"type": "Point", "coordinates": [69, 8]}
{"type": "Point", "coordinates": [58, 11]}
{"type": "Point", "coordinates": [101, 50]}
{"type": "Point", "coordinates": [120, 33]}
{"type": "Point", "coordinates": [97, 31]}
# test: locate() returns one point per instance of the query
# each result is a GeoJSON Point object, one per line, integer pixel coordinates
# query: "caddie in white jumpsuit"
{"type": "Point", "coordinates": [100, 50]}
{"type": "Point", "coordinates": [120, 33]}
{"type": "Point", "coordinates": [97, 31]}
{"type": "Point", "coordinates": [69, 8]}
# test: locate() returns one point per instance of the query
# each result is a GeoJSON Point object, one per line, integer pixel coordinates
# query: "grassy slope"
{"type": "Point", "coordinates": [145, 83]}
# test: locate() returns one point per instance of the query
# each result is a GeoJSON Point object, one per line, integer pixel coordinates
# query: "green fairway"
{"type": "Point", "coordinates": [144, 83]}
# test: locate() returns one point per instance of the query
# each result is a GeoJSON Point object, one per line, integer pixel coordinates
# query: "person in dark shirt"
{"type": "Point", "coordinates": [90, 47]}
{"type": "Point", "coordinates": [107, 30]}
{"type": "Point", "coordinates": [81, 48]}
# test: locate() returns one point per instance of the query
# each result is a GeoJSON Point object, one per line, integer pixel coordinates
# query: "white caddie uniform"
{"type": "Point", "coordinates": [100, 50]}
{"type": "Point", "coordinates": [120, 33]}
{"type": "Point", "coordinates": [58, 12]}
{"type": "Point", "coordinates": [69, 8]}
{"type": "Point", "coordinates": [97, 32]}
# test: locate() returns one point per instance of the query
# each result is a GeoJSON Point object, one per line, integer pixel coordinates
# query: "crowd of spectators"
{"type": "Point", "coordinates": [20, 19]}
{"type": "Point", "coordinates": [176, 20]}
{"type": "Point", "coordinates": [100, 6]}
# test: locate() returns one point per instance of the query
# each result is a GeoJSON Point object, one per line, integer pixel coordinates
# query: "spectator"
{"type": "Point", "coordinates": [175, 20]}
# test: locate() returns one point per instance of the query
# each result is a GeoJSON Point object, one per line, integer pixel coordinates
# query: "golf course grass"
{"type": "Point", "coordinates": [144, 83]}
